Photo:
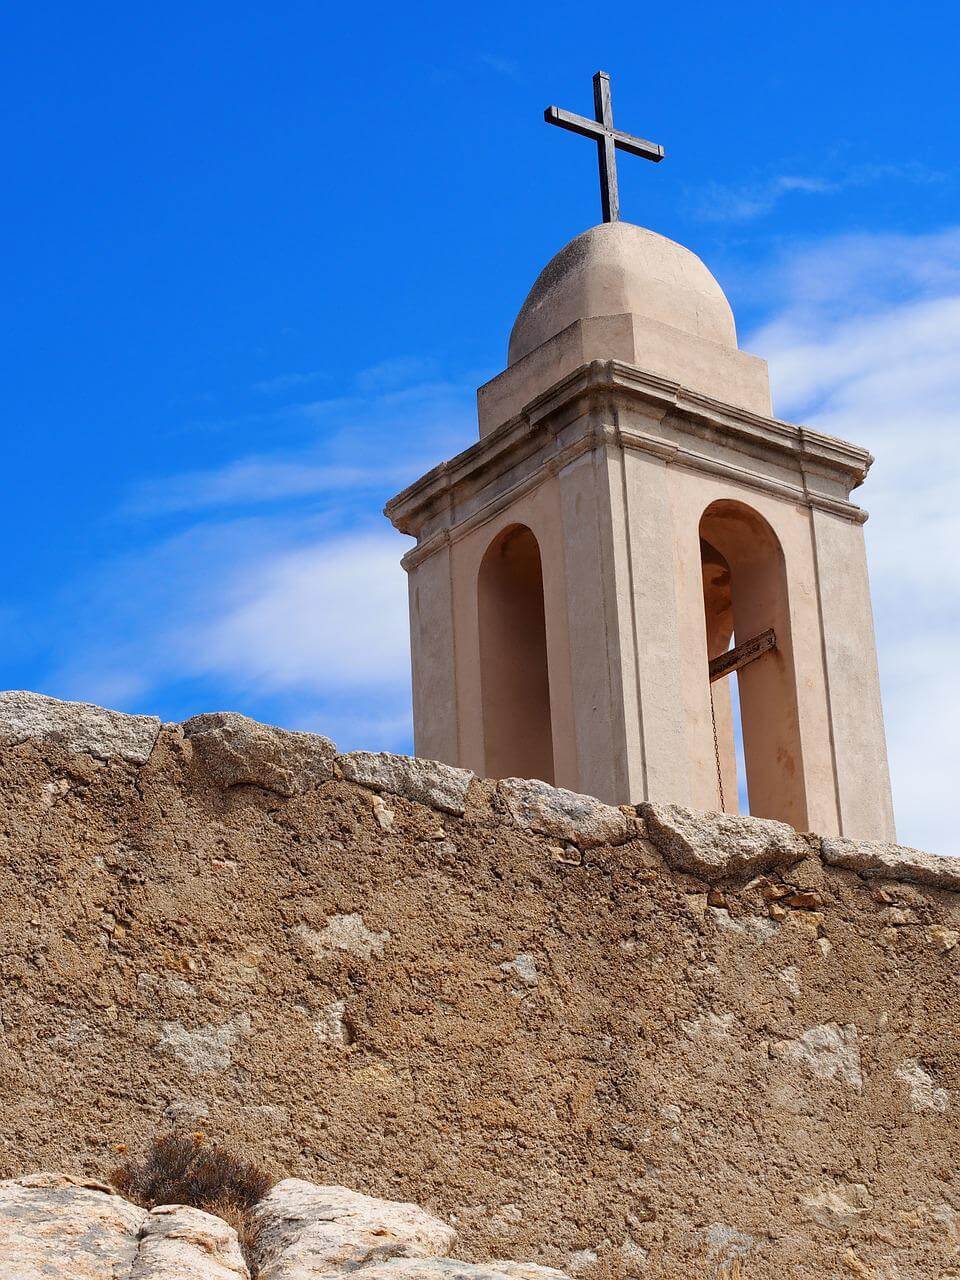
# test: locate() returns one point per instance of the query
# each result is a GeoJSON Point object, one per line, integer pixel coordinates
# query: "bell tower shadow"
{"type": "Point", "coordinates": [513, 658]}
{"type": "Point", "coordinates": [745, 594]}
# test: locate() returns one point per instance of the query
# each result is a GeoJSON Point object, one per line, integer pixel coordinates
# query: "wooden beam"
{"type": "Point", "coordinates": [744, 653]}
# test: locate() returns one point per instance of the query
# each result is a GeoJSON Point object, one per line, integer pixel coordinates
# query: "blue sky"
{"type": "Point", "coordinates": [258, 257]}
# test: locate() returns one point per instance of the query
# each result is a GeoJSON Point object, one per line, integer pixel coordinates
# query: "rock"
{"type": "Point", "coordinates": [837, 1204]}
{"type": "Point", "coordinates": [828, 1051]}
{"type": "Point", "coordinates": [450, 1269]}
{"type": "Point", "coordinates": [757, 928]}
{"type": "Point", "coordinates": [55, 1226]}
{"type": "Point", "coordinates": [717, 845]}
{"type": "Point", "coordinates": [181, 1243]}
{"type": "Point", "coordinates": [925, 1095]}
{"type": "Point", "coordinates": [79, 727]}
{"type": "Point", "coordinates": [726, 1248]}
{"type": "Point", "coordinates": [344, 933]}
{"type": "Point", "coordinates": [893, 861]}
{"type": "Point", "coordinates": [190, 1113]}
{"type": "Point", "coordinates": [717, 1026]}
{"type": "Point", "coordinates": [331, 1026]}
{"type": "Point", "coordinates": [428, 782]}
{"type": "Point", "coordinates": [564, 815]}
{"type": "Point", "coordinates": [207, 1048]}
{"type": "Point", "coordinates": [236, 751]}
{"type": "Point", "coordinates": [308, 1231]}
{"type": "Point", "coordinates": [51, 1225]}
{"type": "Point", "coordinates": [524, 966]}
{"type": "Point", "coordinates": [944, 939]}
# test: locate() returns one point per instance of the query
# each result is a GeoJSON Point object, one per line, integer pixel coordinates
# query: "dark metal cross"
{"type": "Point", "coordinates": [608, 139]}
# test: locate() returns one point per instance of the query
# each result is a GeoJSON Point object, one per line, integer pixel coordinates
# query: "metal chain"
{"type": "Point", "coordinates": [716, 751]}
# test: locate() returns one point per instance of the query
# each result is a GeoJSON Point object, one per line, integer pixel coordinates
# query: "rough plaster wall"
{"type": "Point", "coordinates": [584, 1058]}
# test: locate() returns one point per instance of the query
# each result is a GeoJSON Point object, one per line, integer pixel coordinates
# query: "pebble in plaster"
{"type": "Point", "coordinates": [828, 1051]}
{"type": "Point", "coordinates": [345, 933]}
{"type": "Point", "coordinates": [925, 1094]}
{"type": "Point", "coordinates": [207, 1048]}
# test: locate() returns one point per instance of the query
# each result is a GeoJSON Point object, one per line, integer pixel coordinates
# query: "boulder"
{"type": "Point", "coordinates": [178, 1242]}
{"type": "Point", "coordinates": [52, 1225]}
{"type": "Point", "coordinates": [451, 1269]}
{"type": "Point", "coordinates": [308, 1231]}
{"type": "Point", "coordinates": [236, 751]}
{"type": "Point", "coordinates": [716, 845]}
{"type": "Point", "coordinates": [441, 786]}
{"type": "Point", "coordinates": [565, 815]}
{"type": "Point", "coordinates": [893, 861]}
{"type": "Point", "coordinates": [78, 727]}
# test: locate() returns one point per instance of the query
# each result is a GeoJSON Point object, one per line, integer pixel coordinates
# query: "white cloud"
{"type": "Point", "coordinates": [503, 66]}
{"type": "Point", "coordinates": [718, 202]}
{"type": "Point", "coordinates": [865, 344]}
{"type": "Point", "coordinates": [253, 480]}
{"type": "Point", "coordinates": [287, 381]}
{"type": "Point", "coordinates": [395, 423]}
{"type": "Point", "coordinates": [309, 625]}
{"type": "Point", "coordinates": [328, 617]}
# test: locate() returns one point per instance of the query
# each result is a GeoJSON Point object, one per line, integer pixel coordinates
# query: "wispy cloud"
{"type": "Point", "coordinates": [288, 381]}
{"type": "Point", "coordinates": [393, 424]}
{"type": "Point", "coordinates": [279, 591]}
{"type": "Point", "coordinates": [863, 344]}
{"type": "Point", "coordinates": [719, 202]}
{"type": "Point", "coordinates": [283, 620]}
{"type": "Point", "coordinates": [250, 481]}
{"type": "Point", "coordinates": [502, 66]}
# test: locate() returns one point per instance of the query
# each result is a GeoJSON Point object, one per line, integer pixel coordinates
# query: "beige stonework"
{"type": "Point", "coordinates": [620, 1043]}
{"type": "Point", "coordinates": [628, 464]}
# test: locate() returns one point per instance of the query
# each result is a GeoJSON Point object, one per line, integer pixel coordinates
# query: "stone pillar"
{"type": "Point", "coordinates": [433, 658]}
{"type": "Point", "coordinates": [853, 680]}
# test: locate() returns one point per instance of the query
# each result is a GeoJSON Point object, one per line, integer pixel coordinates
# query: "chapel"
{"type": "Point", "coordinates": [634, 530]}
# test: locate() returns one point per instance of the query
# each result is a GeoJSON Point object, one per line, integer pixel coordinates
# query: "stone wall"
{"type": "Point", "coordinates": [649, 1043]}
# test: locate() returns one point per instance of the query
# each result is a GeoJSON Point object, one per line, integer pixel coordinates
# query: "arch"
{"type": "Point", "coordinates": [745, 592]}
{"type": "Point", "coordinates": [514, 679]}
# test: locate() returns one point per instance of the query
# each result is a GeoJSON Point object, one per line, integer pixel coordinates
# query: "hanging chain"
{"type": "Point", "coordinates": [716, 751]}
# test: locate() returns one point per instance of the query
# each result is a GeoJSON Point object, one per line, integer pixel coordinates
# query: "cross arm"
{"type": "Point", "coordinates": [744, 653]}
{"type": "Point", "coordinates": [592, 129]}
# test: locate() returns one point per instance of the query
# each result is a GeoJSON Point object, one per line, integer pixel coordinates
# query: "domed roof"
{"type": "Point", "coordinates": [616, 269]}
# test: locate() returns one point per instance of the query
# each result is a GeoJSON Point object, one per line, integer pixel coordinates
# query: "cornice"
{"type": "Point", "coordinates": [596, 391]}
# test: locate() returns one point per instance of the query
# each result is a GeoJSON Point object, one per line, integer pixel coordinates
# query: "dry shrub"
{"type": "Point", "coordinates": [183, 1169]}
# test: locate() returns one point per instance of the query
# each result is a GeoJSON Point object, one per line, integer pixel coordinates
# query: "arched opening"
{"type": "Point", "coordinates": [515, 685]}
{"type": "Point", "coordinates": [745, 597]}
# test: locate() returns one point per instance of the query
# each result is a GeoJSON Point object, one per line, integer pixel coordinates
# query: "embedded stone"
{"type": "Point", "coordinates": [79, 727]}
{"type": "Point", "coordinates": [429, 782]}
{"type": "Point", "coordinates": [925, 1093]}
{"type": "Point", "coordinates": [178, 1242]}
{"type": "Point", "coordinates": [451, 1269]}
{"type": "Point", "coordinates": [208, 1048]}
{"type": "Point", "coordinates": [565, 815]}
{"type": "Point", "coordinates": [837, 1204]}
{"type": "Point", "coordinates": [717, 845]}
{"type": "Point", "coordinates": [344, 933]}
{"type": "Point", "coordinates": [828, 1051]}
{"type": "Point", "coordinates": [308, 1230]}
{"type": "Point", "coordinates": [894, 861]}
{"type": "Point", "coordinates": [236, 751]}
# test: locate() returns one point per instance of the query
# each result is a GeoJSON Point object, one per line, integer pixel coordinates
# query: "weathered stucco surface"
{"type": "Point", "coordinates": [583, 1054]}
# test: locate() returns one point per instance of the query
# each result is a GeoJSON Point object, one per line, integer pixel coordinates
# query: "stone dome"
{"type": "Point", "coordinates": [619, 269]}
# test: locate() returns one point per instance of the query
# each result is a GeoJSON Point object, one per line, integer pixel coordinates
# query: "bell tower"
{"type": "Point", "coordinates": [632, 526]}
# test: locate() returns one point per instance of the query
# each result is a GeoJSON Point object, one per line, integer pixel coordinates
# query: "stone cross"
{"type": "Point", "coordinates": [608, 139]}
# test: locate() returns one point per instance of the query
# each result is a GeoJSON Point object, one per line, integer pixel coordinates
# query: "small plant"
{"type": "Point", "coordinates": [184, 1169]}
